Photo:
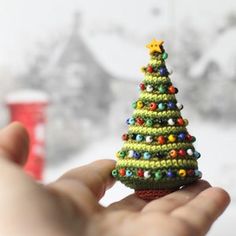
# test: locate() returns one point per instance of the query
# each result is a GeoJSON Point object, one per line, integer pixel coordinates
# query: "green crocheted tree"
{"type": "Point", "coordinates": [158, 156]}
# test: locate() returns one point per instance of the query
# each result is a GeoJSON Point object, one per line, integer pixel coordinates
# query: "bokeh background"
{"type": "Point", "coordinates": [86, 56]}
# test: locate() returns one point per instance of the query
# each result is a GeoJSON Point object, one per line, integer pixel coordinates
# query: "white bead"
{"type": "Point", "coordinates": [171, 122]}
{"type": "Point", "coordinates": [149, 88]}
{"type": "Point", "coordinates": [179, 105]}
{"type": "Point", "coordinates": [147, 174]}
{"type": "Point", "coordinates": [190, 152]}
{"type": "Point", "coordinates": [149, 139]}
{"type": "Point", "coordinates": [131, 153]}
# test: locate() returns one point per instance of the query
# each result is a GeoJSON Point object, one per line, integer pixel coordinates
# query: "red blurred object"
{"type": "Point", "coordinates": [29, 108]}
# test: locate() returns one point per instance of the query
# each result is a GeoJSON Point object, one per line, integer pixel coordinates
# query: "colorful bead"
{"type": "Point", "coordinates": [171, 89]}
{"type": "Point", "coordinates": [182, 173]}
{"type": "Point", "coordinates": [149, 139]}
{"type": "Point", "coordinates": [163, 71]}
{"type": "Point", "coordinates": [153, 106]}
{"type": "Point", "coordinates": [161, 106]}
{"type": "Point", "coordinates": [171, 138]}
{"type": "Point", "coordinates": [149, 123]}
{"type": "Point", "coordinates": [121, 154]}
{"type": "Point", "coordinates": [114, 172]}
{"type": "Point", "coordinates": [122, 172]}
{"type": "Point", "coordinates": [190, 173]}
{"type": "Point", "coordinates": [179, 105]}
{"type": "Point", "coordinates": [171, 105]}
{"type": "Point", "coordinates": [139, 138]}
{"type": "Point", "coordinates": [140, 172]}
{"type": "Point", "coordinates": [146, 155]}
{"type": "Point", "coordinates": [139, 104]}
{"type": "Point", "coordinates": [128, 173]}
{"type": "Point", "coordinates": [198, 173]}
{"type": "Point", "coordinates": [190, 152]}
{"type": "Point", "coordinates": [170, 174]}
{"type": "Point", "coordinates": [130, 153]}
{"type": "Point", "coordinates": [131, 121]}
{"type": "Point", "coordinates": [162, 89]}
{"type": "Point", "coordinates": [182, 152]}
{"type": "Point", "coordinates": [149, 88]}
{"type": "Point", "coordinates": [147, 174]}
{"type": "Point", "coordinates": [134, 105]}
{"type": "Point", "coordinates": [164, 56]}
{"type": "Point", "coordinates": [161, 139]}
{"type": "Point", "coordinates": [181, 136]}
{"type": "Point", "coordinates": [149, 69]}
{"type": "Point", "coordinates": [136, 155]}
{"type": "Point", "coordinates": [142, 86]}
{"type": "Point", "coordinates": [125, 137]}
{"type": "Point", "coordinates": [171, 122]}
{"type": "Point", "coordinates": [197, 154]}
{"type": "Point", "coordinates": [173, 153]}
{"type": "Point", "coordinates": [189, 137]}
{"type": "Point", "coordinates": [180, 121]}
{"type": "Point", "coordinates": [158, 175]}
{"type": "Point", "coordinates": [139, 121]}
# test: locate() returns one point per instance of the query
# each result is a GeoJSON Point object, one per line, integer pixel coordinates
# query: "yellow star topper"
{"type": "Point", "coordinates": [155, 46]}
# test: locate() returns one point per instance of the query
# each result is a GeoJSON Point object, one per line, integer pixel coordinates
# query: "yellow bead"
{"type": "Point", "coordinates": [172, 138]}
{"type": "Point", "coordinates": [182, 173]}
{"type": "Point", "coordinates": [139, 104]}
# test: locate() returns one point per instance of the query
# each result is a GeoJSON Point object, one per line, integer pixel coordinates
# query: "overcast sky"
{"type": "Point", "coordinates": [26, 22]}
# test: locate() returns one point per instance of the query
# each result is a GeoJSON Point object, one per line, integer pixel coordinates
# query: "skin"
{"type": "Point", "coordinates": [70, 205]}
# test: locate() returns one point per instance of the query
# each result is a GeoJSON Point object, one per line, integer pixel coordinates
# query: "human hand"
{"type": "Point", "coordinates": [70, 206]}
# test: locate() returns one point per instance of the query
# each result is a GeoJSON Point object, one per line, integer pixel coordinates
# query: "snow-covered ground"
{"type": "Point", "coordinates": [214, 141]}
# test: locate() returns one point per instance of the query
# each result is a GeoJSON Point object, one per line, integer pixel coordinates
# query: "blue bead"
{"type": "Point", "coordinates": [182, 136]}
{"type": "Point", "coordinates": [171, 105]}
{"type": "Point", "coordinates": [139, 138]}
{"type": "Point", "coordinates": [136, 155]}
{"type": "Point", "coordinates": [198, 173]}
{"type": "Point", "coordinates": [128, 173]}
{"type": "Point", "coordinates": [170, 174]}
{"type": "Point", "coordinates": [163, 71]}
{"type": "Point", "coordinates": [196, 154]}
{"type": "Point", "coordinates": [127, 121]}
{"type": "Point", "coordinates": [131, 121]}
{"type": "Point", "coordinates": [146, 155]}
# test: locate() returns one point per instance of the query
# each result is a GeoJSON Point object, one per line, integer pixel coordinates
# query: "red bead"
{"type": "Point", "coordinates": [139, 121]}
{"type": "Point", "coordinates": [182, 152]}
{"type": "Point", "coordinates": [140, 172]}
{"type": "Point", "coordinates": [189, 137]}
{"type": "Point", "coordinates": [153, 106]}
{"type": "Point", "coordinates": [180, 121]}
{"type": "Point", "coordinates": [122, 172]}
{"type": "Point", "coordinates": [190, 172]}
{"type": "Point", "coordinates": [171, 89]}
{"type": "Point", "coordinates": [161, 140]}
{"type": "Point", "coordinates": [125, 137]}
{"type": "Point", "coordinates": [149, 69]}
{"type": "Point", "coordinates": [142, 86]}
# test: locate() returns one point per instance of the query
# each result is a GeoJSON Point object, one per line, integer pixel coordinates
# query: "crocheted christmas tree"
{"type": "Point", "coordinates": [158, 156]}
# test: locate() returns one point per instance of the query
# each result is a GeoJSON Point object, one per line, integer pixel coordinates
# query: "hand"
{"type": "Point", "coordinates": [69, 206]}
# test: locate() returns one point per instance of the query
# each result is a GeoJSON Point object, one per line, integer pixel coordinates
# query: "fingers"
{"type": "Point", "coordinates": [203, 210]}
{"type": "Point", "coordinates": [87, 184]}
{"type": "Point", "coordinates": [14, 143]}
{"type": "Point", "coordinates": [176, 199]}
{"type": "Point", "coordinates": [130, 203]}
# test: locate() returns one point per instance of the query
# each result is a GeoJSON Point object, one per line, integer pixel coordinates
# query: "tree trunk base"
{"type": "Point", "coordinates": [149, 195]}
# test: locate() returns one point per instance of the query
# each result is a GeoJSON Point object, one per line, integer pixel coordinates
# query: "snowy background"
{"type": "Point", "coordinates": [86, 55]}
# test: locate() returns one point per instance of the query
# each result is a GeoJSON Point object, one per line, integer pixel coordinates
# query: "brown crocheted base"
{"type": "Point", "coordinates": [152, 194]}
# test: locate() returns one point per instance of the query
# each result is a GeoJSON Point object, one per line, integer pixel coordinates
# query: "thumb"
{"type": "Point", "coordinates": [14, 143]}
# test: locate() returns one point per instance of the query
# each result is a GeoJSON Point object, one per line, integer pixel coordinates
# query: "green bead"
{"type": "Point", "coordinates": [161, 106]}
{"type": "Point", "coordinates": [114, 172]}
{"type": "Point", "coordinates": [122, 154]}
{"type": "Point", "coordinates": [158, 175]}
{"type": "Point", "coordinates": [134, 105]}
{"type": "Point", "coordinates": [149, 123]}
{"type": "Point", "coordinates": [162, 89]}
{"type": "Point", "coordinates": [164, 56]}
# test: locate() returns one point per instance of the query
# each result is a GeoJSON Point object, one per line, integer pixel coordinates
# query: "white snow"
{"type": "Point", "coordinates": [27, 96]}
{"type": "Point", "coordinates": [215, 143]}
{"type": "Point", "coordinates": [222, 52]}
